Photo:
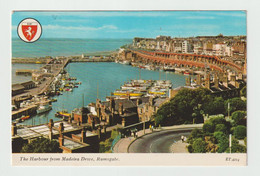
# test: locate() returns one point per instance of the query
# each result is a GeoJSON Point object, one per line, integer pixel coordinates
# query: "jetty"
{"type": "Point", "coordinates": [24, 72]}
{"type": "Point", "coordinates": [44, 79]}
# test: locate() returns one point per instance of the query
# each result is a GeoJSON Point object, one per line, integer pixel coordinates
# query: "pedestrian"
{"type": "Point", "coordinates": [182, 138]}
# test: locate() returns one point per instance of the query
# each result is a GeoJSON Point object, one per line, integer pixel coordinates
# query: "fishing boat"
{"type": "Point", "coordinates": [44, 108]}
{"type": "Point", "coordinates": [62, 114]}
{"type": "Point", "coordinates": [126, 93]}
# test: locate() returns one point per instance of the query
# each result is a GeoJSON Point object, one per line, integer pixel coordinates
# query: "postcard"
{"type": "Point", "coordinates": [129, 88]}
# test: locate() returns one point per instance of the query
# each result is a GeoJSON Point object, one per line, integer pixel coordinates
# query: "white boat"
{"type": "Point", "coordinates": [43, 108]}
{"type": "Point", "coordinates": [125, 62]}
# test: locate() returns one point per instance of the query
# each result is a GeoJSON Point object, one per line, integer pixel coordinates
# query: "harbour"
{"type": "Point", "coordinates": [98, 79]}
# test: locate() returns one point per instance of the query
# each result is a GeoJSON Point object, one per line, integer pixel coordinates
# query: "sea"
{"type": "Point", "coordinates": [65, 47]}
{"type": "Point", "coordinates": [98, 79]}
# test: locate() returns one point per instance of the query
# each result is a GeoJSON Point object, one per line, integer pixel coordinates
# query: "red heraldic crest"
{"type": "Point", "coordinates": [29, 31]}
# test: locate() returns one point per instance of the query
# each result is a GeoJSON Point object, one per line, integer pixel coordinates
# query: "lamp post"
{"type": "Point", "coordinates": [230, 142]}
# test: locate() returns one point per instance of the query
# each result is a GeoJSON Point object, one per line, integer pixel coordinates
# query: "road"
{"type": "Point", "coordinates": [158, 141]}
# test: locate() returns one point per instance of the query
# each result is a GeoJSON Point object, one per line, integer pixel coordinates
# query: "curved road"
{"type": "Point", "coordinates": [158, 141]}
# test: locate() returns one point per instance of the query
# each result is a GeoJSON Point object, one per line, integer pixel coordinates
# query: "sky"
{"type": "Point", "coordinates": [130, 24]}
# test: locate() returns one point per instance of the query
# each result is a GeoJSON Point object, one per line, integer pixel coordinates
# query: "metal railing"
{"type": "Point", "coordinates": [118, 137]}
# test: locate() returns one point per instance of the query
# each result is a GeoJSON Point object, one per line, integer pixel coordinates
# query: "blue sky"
{"type": "Point", "coordinates": [129, 24]}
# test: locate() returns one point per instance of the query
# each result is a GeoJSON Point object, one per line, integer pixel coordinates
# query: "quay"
{"type": "Point", "coordinates": [29, 110]}
{"type": "Point", "coordinates": [24, 72]}
{"type": "Point", "coordinates": [55, 69]}
{"type": "Point", "coordinates": [52, 68]}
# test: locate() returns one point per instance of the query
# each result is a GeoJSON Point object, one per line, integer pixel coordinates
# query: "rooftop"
{"type": "Point", "coordinates": [43, 130]}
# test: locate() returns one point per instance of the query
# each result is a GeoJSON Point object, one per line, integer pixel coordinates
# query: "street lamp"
{"type": "Point", "coordinates": [228, 109]}
{"type": "Point", "coordinates": [230, 142]}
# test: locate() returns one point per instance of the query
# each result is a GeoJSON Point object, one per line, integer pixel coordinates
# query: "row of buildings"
{"type": "Point", "coordinates": [220, 45]}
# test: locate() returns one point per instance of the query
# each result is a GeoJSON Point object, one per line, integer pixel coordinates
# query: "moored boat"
{"type": "Point", "coordinates": [44, 108]}
{"type": "Point", "coordinates": [24, 117]}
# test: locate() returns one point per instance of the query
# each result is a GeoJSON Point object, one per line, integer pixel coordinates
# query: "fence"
{"type": "Point", "coordinates": [118, 137]}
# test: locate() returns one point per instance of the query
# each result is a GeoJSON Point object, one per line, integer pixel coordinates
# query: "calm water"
{"type": "Point", "coordinates": [22, 78]}
{"type": "Point", "coordinates": [107, 77]}
{"type": "Point", "coordinates": [64, 47]}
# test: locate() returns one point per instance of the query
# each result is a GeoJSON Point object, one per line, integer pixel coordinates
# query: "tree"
{"type": "Point", "coordinates": [199, 146]}
{"type": "Point", "coordinates": [208, 127]}
{"type": "Point", "coordinates": [236, 104]}
{"type": "Point", "coordinates": [243, 91]}
{"type": "Point", "coordinates": [236, 147]}
{"type": "Point", "coordinates": [216, 106]}
{"type": "Point", "coordinates": [238, 118]}
{"type": "Point", "coordinates": [217, 120]}
{"type": "Point", "coordinates": [166, 115]}
{"type": "Point", "coordinates": [185, 107]}
{"type": "Point", "coordinates": [221, 128]}
{"type": "Point", "coordinates": [42, 145]}
{"type": "Point", "coordinates": [240, 132]}
{"type": "Point", "coordinates": [195, 133]}
{"type": "Point", "coordinates": [222, 141]}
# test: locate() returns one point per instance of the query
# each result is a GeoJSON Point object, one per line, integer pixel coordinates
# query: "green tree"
{"type": "Point", "coordinates": [236, 147]}
{"type": "Point", "coordinates": [187, 105]}
{"type": "Point", "coordinates": [216, 106]}
{"type": "Point", "coordinates": [105, 146]}
{"type": "Point", "coordinates": [222, 141]}
{"type": "Point", "coordinates": [42, 145]}
{"type": "Point", "coordinates": [238, 118]}
{"type": "Point", "coordinates": [217, 120]}
{"type": "Point", "coordinates": [166, 115]}
{"type": "Point", "coordinates": [243, 92]}
{"type": "Point", "coordinates": [199, 146]}
{"type": "Point", "coordinates": [208, 127]}
{"type": "Point", "coordinates": [221, 128]}
{"type": "Point", "coordinates": [240, 132]}
{"type": "Point", "coordinates": [195, 133]}
{"type": "Point", "coordinates": [236, 104]}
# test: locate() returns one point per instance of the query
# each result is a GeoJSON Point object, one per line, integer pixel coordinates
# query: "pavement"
{"type": "Point", "coordinates": [179, 147]}
{"type": "Point", "coordinates": [122, 145]}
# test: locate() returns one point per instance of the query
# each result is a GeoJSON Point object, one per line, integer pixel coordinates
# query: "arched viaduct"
{"type": "Point", "coordinates": [186, 60]}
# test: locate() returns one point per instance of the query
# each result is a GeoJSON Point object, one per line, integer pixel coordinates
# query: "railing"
{"type": "Point", "coordinates": [118, 137]}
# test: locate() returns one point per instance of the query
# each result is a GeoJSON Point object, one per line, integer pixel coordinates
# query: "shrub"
{"type": "Point", "coordinates": [236, 147]}
{"type": "Point", "coordinates": [217, 120]}
{"type": "Point", "coordinates": [221, 127]}
{"type": "Point", "coordinates": [199, 146]}
{"type": "Point", "coordinates": [189, 147]}
{"type": "Point", "coordinates": [240, 132]}
{"type": "Point", "coordinates": [222, 141]}
{"type": "Point", "coordinates": [237, 117]}
{"type": "Point", "coordinates": [42, 145]}
{"type": "Point", "coordinates": [208, 127]}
